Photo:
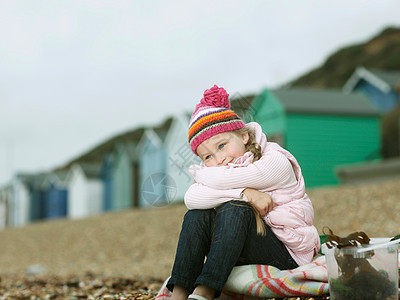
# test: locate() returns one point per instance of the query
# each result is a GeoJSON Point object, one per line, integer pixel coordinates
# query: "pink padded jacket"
{"type": "Point", "coordinates": [276, 173]}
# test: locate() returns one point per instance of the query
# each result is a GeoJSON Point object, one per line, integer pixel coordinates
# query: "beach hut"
{"type": "Point", "coordinates": [55, 186]}
{"type": "Point", "coordinates": [37, 195]}
{"type": "Point", "coordinates": [3, 209]}
{"type": "Point", "coordinates": [380, 86]}
{"type": "Point", "coordinates": [85, 197]}
{"type": "Point", "coordinates": [269, 111]}
{"type": "Point", "coordinates": [123, 170]}
{"type": "Point", "coordinates": [120, 172]}
{"type": "Point", "coordinates": [322, 128]}
{"type": "Point", "coordinates": [20, 201]}
{"type": "Point", "coordinates": [106, 178]}
{"type": "Point", "coordinates": [5, 200]}
{"type": "Point", "coordinates": [243, 106]}
{"type": "Point", "coordinates": [106, 154]}
{"type": "Point", "coordinates": [155, 187]}
{"type": "Point", "coordinates": [180, 157]}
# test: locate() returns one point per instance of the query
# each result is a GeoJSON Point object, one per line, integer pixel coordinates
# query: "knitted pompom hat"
{"type": "Point", "coordinates": [211, 117]}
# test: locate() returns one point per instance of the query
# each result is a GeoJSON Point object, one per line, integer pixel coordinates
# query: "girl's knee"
{"type": "Point", "coordinates": [235, 208]}
{"type": "Point", "coordinates": [199, 216]}
{"type": "Point", "coordinates": [198, 213]}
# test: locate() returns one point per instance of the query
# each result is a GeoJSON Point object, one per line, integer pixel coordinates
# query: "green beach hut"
{"type": "Point", "coordinates": [323, 129]}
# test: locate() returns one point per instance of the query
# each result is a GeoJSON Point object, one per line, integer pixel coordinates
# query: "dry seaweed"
{"type": "Point", "coordinates": [354, 239]}
{"type": "Point", "coordinates": [358, 279]}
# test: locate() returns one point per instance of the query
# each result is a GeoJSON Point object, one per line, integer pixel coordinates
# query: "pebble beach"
{"type": "Point", "coordinates": [130, 253]}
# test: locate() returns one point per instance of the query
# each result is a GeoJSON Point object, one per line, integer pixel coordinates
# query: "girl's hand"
{"type": "Point", "coordinates": [262, 202]}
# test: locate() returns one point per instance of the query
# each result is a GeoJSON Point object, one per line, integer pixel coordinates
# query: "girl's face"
{"type": "Point", "coordinates": [222, 149]}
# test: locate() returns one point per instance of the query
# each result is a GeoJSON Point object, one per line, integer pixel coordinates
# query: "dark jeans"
{"type": "Point", "coordinates": [227, 236]}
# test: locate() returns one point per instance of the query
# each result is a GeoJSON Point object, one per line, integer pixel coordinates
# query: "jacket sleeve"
{"type": "Point", "coordinates": [199, 196]}
{"type": "Point", "coordinates": [272, 171]}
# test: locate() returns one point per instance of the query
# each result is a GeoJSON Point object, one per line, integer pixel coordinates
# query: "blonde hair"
{"type": "Point", "coordinates": [254, 148]}
{"type": "Point", "coordinates": [251, 144]}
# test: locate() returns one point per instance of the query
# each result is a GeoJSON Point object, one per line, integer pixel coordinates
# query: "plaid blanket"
{"type": "Point", "coordinates": [261, 281]}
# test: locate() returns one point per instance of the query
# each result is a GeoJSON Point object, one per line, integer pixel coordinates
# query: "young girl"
{"type": "Point", "coordinates": [240, 172]}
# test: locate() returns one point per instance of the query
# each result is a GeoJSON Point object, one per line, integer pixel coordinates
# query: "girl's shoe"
{"type": "Point", "coordinates": [196, 297]}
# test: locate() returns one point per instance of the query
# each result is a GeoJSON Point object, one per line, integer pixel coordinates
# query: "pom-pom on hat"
{"type": "Point", "coordinates": [211, 117]}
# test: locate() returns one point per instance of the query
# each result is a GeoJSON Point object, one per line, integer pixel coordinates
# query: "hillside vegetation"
{"type": "Point", "coordinates": [380, 52]}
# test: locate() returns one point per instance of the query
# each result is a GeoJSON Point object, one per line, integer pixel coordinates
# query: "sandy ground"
{"type": "Point", "coordinates": [140, 244]}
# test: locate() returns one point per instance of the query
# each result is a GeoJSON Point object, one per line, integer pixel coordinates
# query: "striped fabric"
{"type": "Point", "coordinates": [252, 282]}
{"type": "Point", "coordinates": [262, 281]}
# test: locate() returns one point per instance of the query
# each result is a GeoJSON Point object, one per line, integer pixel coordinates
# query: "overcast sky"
{"type": "Point", "coordinates": [74, 73]}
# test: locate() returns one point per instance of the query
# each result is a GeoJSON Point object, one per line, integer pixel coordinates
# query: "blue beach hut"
{"type": "Point", "coordinates": [37, 197]}
{"type": "Point", "coordinates": [180, 157]}
{"type": "Point", "coordinates": [123, 171]}
{"type": "Point", "coordinates": [154, 184]}
{"type": "Point", "coordinates": [56, 195]}
{"type": "Point", "coordinates": [380, 86]}
{"type": "Point", "coordinates": [120, 172]}
{"type": "Point", "coordinates": [106, 177]}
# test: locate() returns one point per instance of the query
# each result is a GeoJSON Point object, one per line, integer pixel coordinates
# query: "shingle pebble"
{"type": "Point", "coordinates": [128, 254]}
{"type": "Point", "coordinates": [53, 287]}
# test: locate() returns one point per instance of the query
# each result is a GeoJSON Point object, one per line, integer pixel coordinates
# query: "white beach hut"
{"type": "Point", "coordinates": [85, 192]}
{"type": "Point", "coordinates": [180, 156]}
{"type": "Point", "coordinates": [20, 202]}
